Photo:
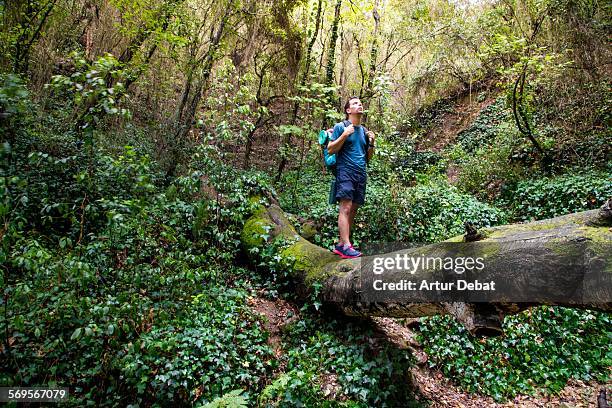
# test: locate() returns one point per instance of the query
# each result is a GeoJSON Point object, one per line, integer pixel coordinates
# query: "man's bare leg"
{"type": "Point", "coordinates": [344, 221]}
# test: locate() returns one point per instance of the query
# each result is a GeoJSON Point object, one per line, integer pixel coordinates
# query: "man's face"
{"type": "Point", "coordinates": [355, 107]}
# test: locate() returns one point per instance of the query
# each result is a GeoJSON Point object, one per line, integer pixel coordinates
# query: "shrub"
{"type": "Point", "coordinates": [427, 212]}
{"type": "Point", "coordinates": [364, 373]}
{"type": "Point", "coordinates": [406, 163]}
{"type": "Point", "coordinates": [436, 211]}
{"type": "Point", "coordinates": [484, 130]}
{"type": "Point", "coordinates": [15, 106]}
{"type": "Point", "coordinates": [553, 196]}
{"type": "Point", "coordinates": [96, 260]}
{"type": "Point", "coordinates": [483, 171]}
{"type": "Point", "coordinates": [540, 349]}
{"type": "Point", "coordinates": [216, 347]}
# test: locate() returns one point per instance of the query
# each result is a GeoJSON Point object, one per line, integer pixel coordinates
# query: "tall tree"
{"type": "Point", "coordinates": [199, 73]}
{"type": "Point", "coordinates": [296, 104]}
{"type": "Point", "coordinates": [138, 53]}
{"type": "Point", "coordinates": [368, 92]}
{"type": "Point", "coordinates": [331, 57]}
{"type": "Point", "coordinates": [262, 111]}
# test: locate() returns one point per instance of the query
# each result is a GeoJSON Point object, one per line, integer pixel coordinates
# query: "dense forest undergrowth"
{"type": "Point", "coordinates": [137, 138]}
{"type": "Point", "coordinates": [130, 289]}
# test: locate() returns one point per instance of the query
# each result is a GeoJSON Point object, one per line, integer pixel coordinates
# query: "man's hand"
{"type": "Point", "coordinates": [335, 145]}
{"type": "Point", "coordinates": [349, 130]}
{"type": "Point", "coordinates": [372, 137]}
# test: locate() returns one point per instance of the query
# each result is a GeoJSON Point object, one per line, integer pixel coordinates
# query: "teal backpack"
{"type": "Point", "coordinates": [328, 159]}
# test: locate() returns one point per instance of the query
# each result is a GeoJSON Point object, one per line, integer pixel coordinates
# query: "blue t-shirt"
{"type": "Point", "coordinates": [352, 155]}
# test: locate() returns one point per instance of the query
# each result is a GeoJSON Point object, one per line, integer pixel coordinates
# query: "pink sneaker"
{"type": "Point", "coordinates": [346, 251]}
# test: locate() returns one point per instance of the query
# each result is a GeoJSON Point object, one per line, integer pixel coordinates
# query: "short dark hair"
{"type": "Point", "coordinates": [347, 104]}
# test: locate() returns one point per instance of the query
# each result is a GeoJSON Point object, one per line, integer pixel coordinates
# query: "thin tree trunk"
{"type": "Point", "coordinates": [193, 93]}
{"type": "Point", "coordinates": [246, 161]}
{"type": "Point", "coordinates": [261, 102]}
{"type": "Point", "coordinates": [126, 57]}
{"type": "Point", "coordinates": [331, 53]}
{"type": "Point", "coordinates": [296, 105]}
{"type": "Point", "coordinates": [518, 109]}
{"type": "Point", "coordinates": [21, 60]}
{"type": "Point", "coordinates": [331, 58]}
{"type": "Point", "coordinates": [373, 57]}
{"type": "Point", "coordinates": [343, 62]}
{"type": "Point", "coordinates": [189, 103]}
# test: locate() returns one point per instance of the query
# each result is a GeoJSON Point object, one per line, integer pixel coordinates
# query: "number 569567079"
{"type": "Point", "coordinates": [33, 394]}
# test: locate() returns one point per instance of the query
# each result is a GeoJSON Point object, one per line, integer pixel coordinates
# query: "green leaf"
{"type": "Point", "coordinates": [76, 334]}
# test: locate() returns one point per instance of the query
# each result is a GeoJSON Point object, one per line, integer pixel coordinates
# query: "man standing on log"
{"type": "Point", "coordinates": [353, 145]}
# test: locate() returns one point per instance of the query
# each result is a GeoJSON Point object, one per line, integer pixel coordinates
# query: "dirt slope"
{"type": "Point", "coordinates": [450, 124]}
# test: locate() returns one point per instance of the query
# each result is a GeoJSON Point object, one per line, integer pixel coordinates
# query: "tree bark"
{"type": "Point", "coordinates": [331, 51]}
{"type": "Point", "coordinates": [368, 92]}
{"type": "Point", "coordinates": [341, 284]}
{"type": "Point", "coordinates": [261, 115]}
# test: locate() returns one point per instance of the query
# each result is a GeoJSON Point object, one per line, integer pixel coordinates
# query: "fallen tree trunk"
{"type": "Point", "coordinates": [585, 237]}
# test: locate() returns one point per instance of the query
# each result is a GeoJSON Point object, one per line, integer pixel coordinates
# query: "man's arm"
{"type": "Point", "coordinates": [335, 145]}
